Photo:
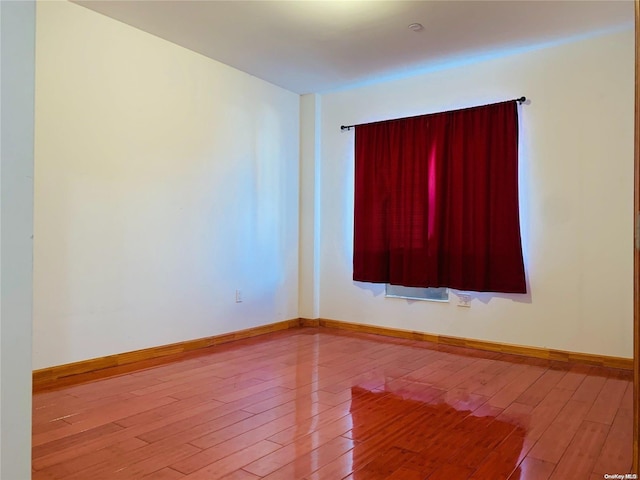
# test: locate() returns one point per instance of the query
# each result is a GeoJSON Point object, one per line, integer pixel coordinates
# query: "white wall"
{"type": "Point", "coordinates": [17, 45]}
{"type": "Point", "coordinates": [576, 164]}
{"type": "Point", "coordinates": [164, 182]}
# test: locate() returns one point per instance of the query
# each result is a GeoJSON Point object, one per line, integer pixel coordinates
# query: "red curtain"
{"type": "Point", "coordinates": [436, 201]}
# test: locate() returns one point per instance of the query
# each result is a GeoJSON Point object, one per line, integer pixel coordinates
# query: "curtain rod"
{"type": "Point", "coordinates": [520, 100]}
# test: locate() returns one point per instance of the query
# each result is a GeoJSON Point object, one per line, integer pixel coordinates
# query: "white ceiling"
{"type": "Point", "coordinates": [315, 46]}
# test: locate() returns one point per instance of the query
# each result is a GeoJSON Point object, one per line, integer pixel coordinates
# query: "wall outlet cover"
{"type": "Point", "coordinates": [464, 300]}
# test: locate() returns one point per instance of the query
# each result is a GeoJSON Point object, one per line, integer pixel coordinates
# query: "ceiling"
{"type": "Point", "coordinates": [316, 46]}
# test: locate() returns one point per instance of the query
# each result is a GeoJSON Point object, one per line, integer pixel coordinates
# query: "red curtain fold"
{"type": "Point", "coordinates": [436, 201]}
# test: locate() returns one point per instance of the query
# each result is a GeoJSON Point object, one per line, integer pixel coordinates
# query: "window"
{"type": "Point", "coordinates": [434, 294]}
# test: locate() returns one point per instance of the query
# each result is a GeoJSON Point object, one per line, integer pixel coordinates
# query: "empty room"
{"type": "Point", "coordinates": [318, 240]}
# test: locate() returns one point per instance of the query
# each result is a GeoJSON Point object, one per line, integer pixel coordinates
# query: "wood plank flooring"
{"type": "Point", "coordinates": [317, 403]}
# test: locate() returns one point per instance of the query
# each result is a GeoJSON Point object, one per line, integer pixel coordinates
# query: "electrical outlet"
{"type": "Point", "coordinates": [464, 300]}
{"type": "Point", "coordinates": [238, 296]}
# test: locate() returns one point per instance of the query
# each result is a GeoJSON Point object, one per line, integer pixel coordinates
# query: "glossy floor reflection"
{"type": "Point", "coordinates": [322, 404]}
{"type": "Point", "coordinates": [417, 439]}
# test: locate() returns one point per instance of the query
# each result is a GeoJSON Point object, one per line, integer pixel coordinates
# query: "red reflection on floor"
{"type": "Point", "coordinates": [429, 440]}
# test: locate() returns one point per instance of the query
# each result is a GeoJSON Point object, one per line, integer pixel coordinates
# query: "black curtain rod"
{"type": "Point", "coordinates": [520, 100]}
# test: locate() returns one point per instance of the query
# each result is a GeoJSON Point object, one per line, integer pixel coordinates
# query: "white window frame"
{"type": "Point", "coordinates": [429, 294]}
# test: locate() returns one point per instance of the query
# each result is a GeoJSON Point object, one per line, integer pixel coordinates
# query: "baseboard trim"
{"type": "Point", "coordinates": [309, 322]}
{"type": "Point", "coordinates": [47, 377]}
{"type": "Point", "coordinates": [535, 352]}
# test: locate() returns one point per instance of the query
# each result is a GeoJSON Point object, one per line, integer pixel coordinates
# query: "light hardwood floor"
{"type": "Point", "coordinates": [318, 403]}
